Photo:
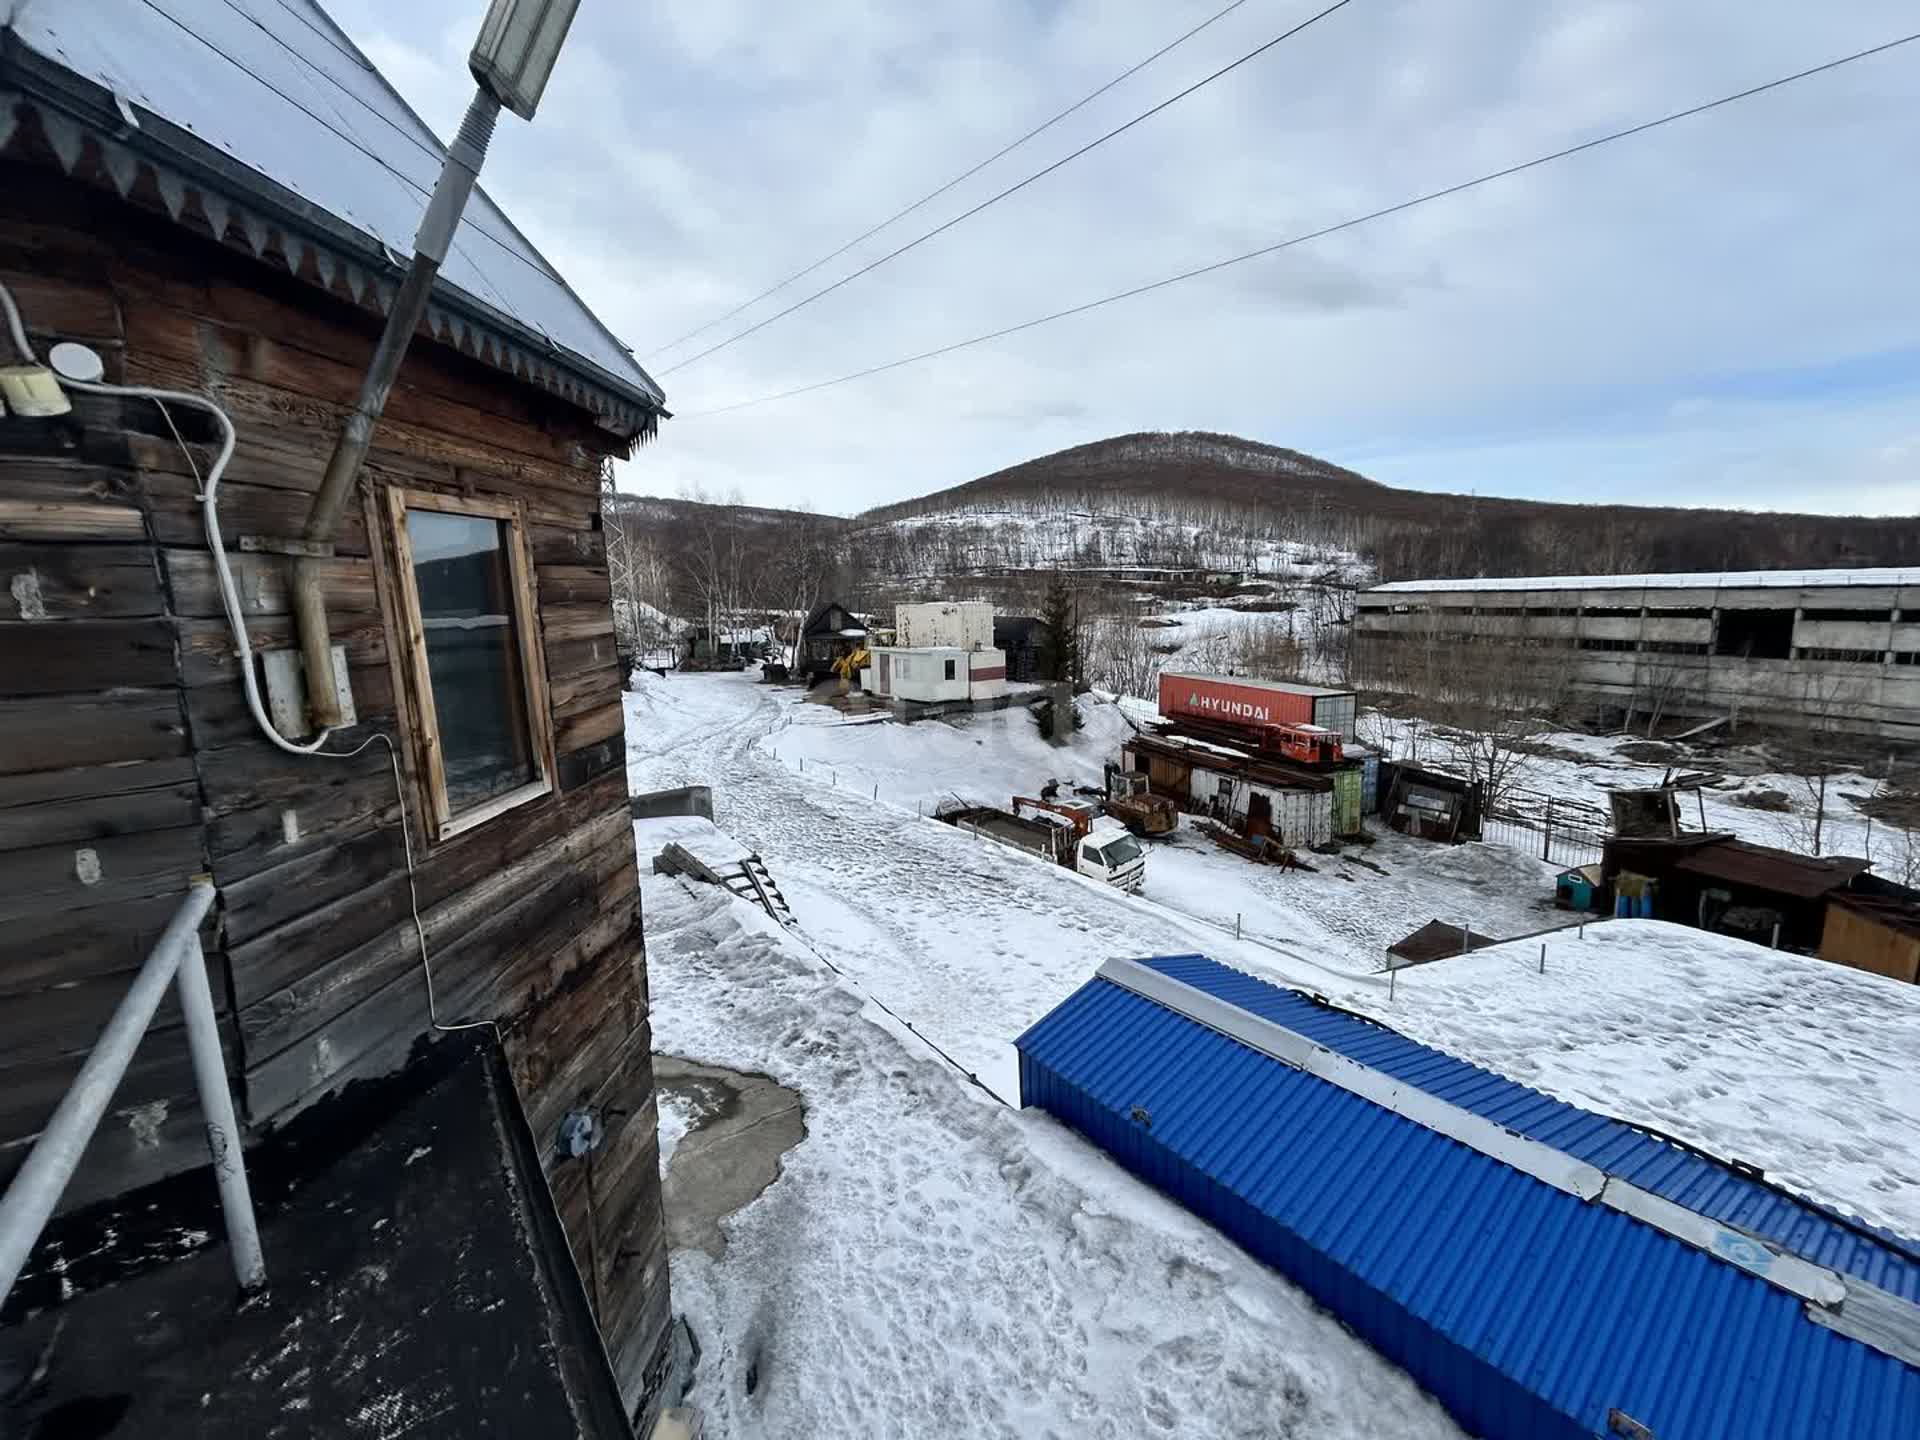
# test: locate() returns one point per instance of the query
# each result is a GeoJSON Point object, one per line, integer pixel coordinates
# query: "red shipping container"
{"type": "Point", "coordinates": [1238, 701]}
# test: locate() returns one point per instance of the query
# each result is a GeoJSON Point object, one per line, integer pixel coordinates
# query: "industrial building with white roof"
{"type": "Point", "coordinates": [1821, 650]}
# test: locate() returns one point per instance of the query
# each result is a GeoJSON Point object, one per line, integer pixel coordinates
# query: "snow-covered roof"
{"type": "Point", "coordinates": [1698, 580]}
{"type": "Point", "coordinates": [293, 142]}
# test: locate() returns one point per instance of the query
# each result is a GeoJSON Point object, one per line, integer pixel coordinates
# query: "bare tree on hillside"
{"type": "Point", "coordinates": [801, 571]}
{"type": "Point", "coordinates": [1494, 704]}
{"type": "Point", "coordinates": [717, 564]}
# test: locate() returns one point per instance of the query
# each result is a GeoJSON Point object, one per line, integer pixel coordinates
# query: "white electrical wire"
{"type": "Point", "coordinates": [230, 601]}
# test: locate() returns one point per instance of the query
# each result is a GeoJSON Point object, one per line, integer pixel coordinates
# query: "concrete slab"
{"type": "Point", "coordinates": [742, 1127]}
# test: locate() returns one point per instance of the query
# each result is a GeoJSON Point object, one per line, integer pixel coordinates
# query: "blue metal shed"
{"type": "Point", "coordinates": [1543, 1270]}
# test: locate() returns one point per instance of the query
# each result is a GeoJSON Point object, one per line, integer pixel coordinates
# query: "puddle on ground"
{"type": "Point", "coordinates": [737, 1127]}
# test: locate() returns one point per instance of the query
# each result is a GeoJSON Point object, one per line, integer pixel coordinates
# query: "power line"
{"type": "Point", "coordinates": [964, 175]}
{"type": "Point", "coordinates": [1321, 233]}
{"type": "Point", "coordinates": [1011, 189]}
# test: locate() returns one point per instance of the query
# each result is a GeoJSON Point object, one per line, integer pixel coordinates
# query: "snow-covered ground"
{"type": "Point", "coordinates": [933, 1263]}
{"type": "Point", "coordinates": [966, 940]}
{"type": "Point", "coordinates": [1583, 767]}
{"type": "Point", "coordinates": [1808, 1069]}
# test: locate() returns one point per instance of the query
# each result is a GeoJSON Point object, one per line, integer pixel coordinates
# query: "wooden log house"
{"type": "Point", "coordinates": [129, 762]}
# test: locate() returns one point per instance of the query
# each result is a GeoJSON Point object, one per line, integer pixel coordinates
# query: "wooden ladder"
{"type": "Point", "coordinates": [751, 880]}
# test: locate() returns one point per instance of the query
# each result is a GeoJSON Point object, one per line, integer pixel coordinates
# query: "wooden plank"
{"type": "Point", "coordinates": [41, 734]}
{"type": "Point", "coordinates": [100, 817]}
{"type": "Point", "coordinates": [263, 583]}
{"type": "Point", "coordinates": [533, 653]}
{"type": "Point", "coordinates": [78, 582]}
{"type": "Point", "coordinates": [549, 485]}
{"type": "Point", "coordinates": [75, 517]}
{"type": "Point", "coordinates": [579, 1040]}
{"type": "Point", "coordinates": [85, 782]}
{"type": "Point", "coordinates": [218, 715]}
{"type": "Point", "coordinates": [411, 636]}
{"type": "Point", "coordinates": [159, 334]}
{"type": "Point", "coordinates": [207, 655]}
{"type": "Point", "coordinates": [55, 309]}
{"type": "Point", "coordinates": [304, 960]}
{"type": "Point", "coordinates": [246, 841]}
{"type": "Point", "coordinates": [575, 585]}
{"type": "Point", "coordinates": [539, 899]}
{"type": "Point", "coordinates": [595, 762]}
{"type": "Point", "coordinates": [283, 461]}
{"type": "Point", "coordinates": [64, 946]}
{"type": "Point", "coordinates": [84, 656]}
{"type": "Point", "coordinates": [244, 510]}
{"type": "Point", "coordinates": [563, 623]}
{"type": "Point", "coordinates": [585, 690]}
{"type": "Point", "coordinates": [261, 902]}
{"type": "Point", "coordinates": [64, 1021]}
{"type": "Point", "coordinates": [352, 906]}
{"type": "Point", "coordinates": [572, 657]}
{"type": "Point", "coordinates": [70, 876]}
{"type": "Point", "coordinates": [564, 545]}
{"type": "Point", "coordinates": [379, 1032]}
{"type": "Point", "coordinates": [577, 732]}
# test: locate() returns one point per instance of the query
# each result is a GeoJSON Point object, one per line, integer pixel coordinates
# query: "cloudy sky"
{"type": "Point", "coordinates": [1726, 311]}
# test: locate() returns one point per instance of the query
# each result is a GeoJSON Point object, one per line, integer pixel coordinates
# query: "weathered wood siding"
{"type": "Point", "coordinates": [1868, 942]}
{"type": "Point", "coordinates": [124, 733]}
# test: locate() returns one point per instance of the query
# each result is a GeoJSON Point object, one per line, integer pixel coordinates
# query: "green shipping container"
{"type": "Point", "coordinates": [1346, 801]}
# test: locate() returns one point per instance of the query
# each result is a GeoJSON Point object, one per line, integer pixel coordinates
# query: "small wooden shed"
{"type": "Point", "coordinates": [175, 211]}
{"type": "Point", "coordinates": [1871, 932]}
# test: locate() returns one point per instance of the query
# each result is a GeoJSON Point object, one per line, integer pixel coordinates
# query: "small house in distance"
{"type": "Point", "coordinates": [831, 632]}
{"type": "Point", "coordinates": [943, 655]}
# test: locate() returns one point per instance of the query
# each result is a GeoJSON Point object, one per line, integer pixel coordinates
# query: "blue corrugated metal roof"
{"type": "Point", "coordinates": [1526, 1310]}
{"type": "Point", "coordinates": [1686, 1177]}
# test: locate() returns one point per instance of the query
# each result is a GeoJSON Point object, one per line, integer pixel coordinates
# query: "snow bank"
{"type": "Point", "coordinates": [1805, 1068]}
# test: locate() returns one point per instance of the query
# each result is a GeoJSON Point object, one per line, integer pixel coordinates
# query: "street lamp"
{"type": "Point", "coordinates": [519, 42]}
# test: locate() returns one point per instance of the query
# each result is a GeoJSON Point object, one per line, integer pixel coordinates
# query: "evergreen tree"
{"type": "Point", "coordinates": [1060, 616]}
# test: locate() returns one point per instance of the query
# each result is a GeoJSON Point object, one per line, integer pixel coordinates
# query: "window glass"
{"type": "Point", "coordinates": [949, 669]}
{"type": "Point", "coordinates": [1093, 856]}
{"type": "Point", "coordinates": [465, 581]}
{"type": "Point", "coordinates": [1120, 851]}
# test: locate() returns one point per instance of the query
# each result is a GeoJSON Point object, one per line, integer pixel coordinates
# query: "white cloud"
{"type": "Point", "coordinates": [687, 156]}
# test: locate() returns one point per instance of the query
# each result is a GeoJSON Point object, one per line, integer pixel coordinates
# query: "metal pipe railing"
{"type": "Point", "coordinates": [43, 1178]}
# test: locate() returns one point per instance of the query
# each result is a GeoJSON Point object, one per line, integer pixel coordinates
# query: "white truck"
{"type": "Point", "coordinates": [1097, 846]}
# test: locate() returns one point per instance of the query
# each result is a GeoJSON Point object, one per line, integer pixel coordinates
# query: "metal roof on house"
{"type": "Point", "coordinates": [260, 120]}
{"type": "Point", "coordinates": [1702, 580]}
{"type": "Point", "coordinates": [1762, 867]}
{"type": "Point", "coordinates": [1511, 1269]}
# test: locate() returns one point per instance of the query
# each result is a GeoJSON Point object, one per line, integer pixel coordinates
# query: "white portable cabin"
{"type": "Point", "coordinates": [933, 673]}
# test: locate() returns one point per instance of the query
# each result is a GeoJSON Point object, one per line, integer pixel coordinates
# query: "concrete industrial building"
{"type": "Point", "coordinates": [1834, 650]}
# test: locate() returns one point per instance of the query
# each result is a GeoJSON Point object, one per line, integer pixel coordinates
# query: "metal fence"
{"type": "Point", "coordinates": [1562, 832]}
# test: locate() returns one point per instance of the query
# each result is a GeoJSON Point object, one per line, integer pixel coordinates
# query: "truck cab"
{"type": "Point", "coordinates": [1109, 852]}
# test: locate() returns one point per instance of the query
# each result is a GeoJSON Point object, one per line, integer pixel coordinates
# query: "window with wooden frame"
{"type": "Point", "coordinates": [470, 641]}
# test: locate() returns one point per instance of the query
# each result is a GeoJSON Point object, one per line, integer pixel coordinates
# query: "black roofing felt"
{"type": "Point", "coordinates": [418, 1285]}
